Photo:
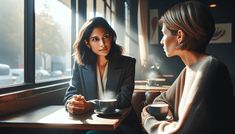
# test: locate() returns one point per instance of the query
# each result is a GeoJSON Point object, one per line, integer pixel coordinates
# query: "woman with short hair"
{"type": "Point", "coordinates": [201, 98]}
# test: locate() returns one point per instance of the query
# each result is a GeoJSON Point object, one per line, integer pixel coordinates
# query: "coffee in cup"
{"type": "Point", "coordinates": [105, 105]}
{"type": "Point", "coordinates": [159, 111]}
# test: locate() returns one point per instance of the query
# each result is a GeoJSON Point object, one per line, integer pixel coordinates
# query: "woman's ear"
{"type": "Point", "coordinates": [180, 36]}
{"type": "Point", "coordinates": [87, 44]}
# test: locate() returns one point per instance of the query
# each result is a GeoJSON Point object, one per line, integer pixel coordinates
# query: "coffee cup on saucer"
{"type": "Point", "coordinates": [105, 105]}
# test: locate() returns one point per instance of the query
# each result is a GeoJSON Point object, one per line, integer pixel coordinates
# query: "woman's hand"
{"type": "Point", "coordinates": [78, 105]}
{"type": "Point", "coordinates": [144, 115]}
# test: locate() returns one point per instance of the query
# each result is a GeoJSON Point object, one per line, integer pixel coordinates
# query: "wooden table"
{"type": "Point", "coordinates": [143, 82]}
{"type": "Point", "coordinates": [56, 117]}
{"type": "Point", "coordinates": [143, 88]}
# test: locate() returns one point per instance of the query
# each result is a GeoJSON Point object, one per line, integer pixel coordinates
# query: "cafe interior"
{"type": "Point", "coordinates": [36, 63]}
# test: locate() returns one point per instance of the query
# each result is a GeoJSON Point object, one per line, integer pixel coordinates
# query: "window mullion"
{"type": "Point", "coordinates": [29, 42]}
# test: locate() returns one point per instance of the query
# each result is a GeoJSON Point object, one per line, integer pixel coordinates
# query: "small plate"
{"type": "Point", "coordinates": [116, 111]}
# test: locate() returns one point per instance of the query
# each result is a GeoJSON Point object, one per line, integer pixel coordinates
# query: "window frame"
{"type": "Point", "coordinates": [29, 51]}
{"type": "Point", "coordinates": [29, 44]}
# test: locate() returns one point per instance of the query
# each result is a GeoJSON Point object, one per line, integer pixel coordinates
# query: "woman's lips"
{"type": "Point", "coordinates": [103, 50]}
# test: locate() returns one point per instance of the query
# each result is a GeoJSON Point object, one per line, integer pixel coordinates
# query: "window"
{"type": "Point", "coordinates": [36, 38]}
{"type": "Point", "coordinates": [90, 9]}
{"type": "Point", "coordinates": [108, 11]}
{"type": "Point", "coordinates": [53, 40]}
{"type": "Point", "coordinates": [11, 42]}
{"type": "Point", "coordinates": [127, 30]}
{"type": "Point", "coordinates": [99, 8]}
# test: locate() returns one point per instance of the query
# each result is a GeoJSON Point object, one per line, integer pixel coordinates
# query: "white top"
{"type": "Point", "coordinates": [188, 92]}
{"type": "Point", "coordinates": [101, 82]}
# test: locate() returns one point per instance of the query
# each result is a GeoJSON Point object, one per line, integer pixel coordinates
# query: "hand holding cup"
{"type": "Point", "coordinates": [159, 111]}
{"type": "Point", "coordinates": [105, 105]}
{"type": "Point", "coordinates": [77, 105]}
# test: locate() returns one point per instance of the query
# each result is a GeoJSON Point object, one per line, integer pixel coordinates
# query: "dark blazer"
{"type": "Point", "coordinates": [120, 80]}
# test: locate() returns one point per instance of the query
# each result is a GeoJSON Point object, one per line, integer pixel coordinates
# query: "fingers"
{"type": "Point", "coordinates": [74, 110]}
{"type": "Point", "coordinates": [79, 97]}
{"type": "Point", "coordinates": [76, 105]}
{"type": "Point", "coordinates": [142, 118]}
{"type": "Point", "coordinates": [144, 115]}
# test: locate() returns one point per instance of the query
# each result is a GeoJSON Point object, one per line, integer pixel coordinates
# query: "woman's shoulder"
{"type": "Point", "coordinates": [127, 58]}
{"type": "Point", "coordinates": [124, 60]}
{"type": "Point", "coordinates": [216, 62]}
{"type": "Point", "coordinates": [79, 65]}
{"type": "Point", "coordinates": [215, 66]}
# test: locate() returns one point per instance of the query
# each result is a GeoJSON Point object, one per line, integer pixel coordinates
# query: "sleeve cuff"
{"type": "Point", "coordinates": [150, 123]}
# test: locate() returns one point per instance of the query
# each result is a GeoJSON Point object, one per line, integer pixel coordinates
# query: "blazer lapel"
{"type": "Point", "coordinates": [90, 82]}
{"type": "Point", "coordinates": [113, 78]}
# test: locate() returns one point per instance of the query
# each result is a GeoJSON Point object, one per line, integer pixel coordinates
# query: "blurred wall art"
{"type": "Point", "coordinates": [223, 33]}
{"type": "Point", "coordinates": [153, 26]}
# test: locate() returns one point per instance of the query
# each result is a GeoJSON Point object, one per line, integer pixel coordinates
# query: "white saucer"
{"type": "Point", "coordinates": [116, 111]}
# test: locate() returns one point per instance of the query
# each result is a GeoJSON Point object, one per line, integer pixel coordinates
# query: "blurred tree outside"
{"type": "Point", "coordinates": [48, 37]}
{"type": "Point", "coordinates": [50, 43]}
{"type": "Point", "coordinates": [48, 40]}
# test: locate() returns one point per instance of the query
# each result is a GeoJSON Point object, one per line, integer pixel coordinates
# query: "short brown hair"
{"type": "Point", "coordinates": [195, 20]}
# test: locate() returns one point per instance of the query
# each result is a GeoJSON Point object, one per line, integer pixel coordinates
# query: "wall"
{"type": "Point", "coordinates": [225, 52]}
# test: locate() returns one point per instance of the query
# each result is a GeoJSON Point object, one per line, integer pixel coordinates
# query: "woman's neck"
{"type": "Point", "coordinates": [189, 58]}
{"type": "Point", "coordinates": [101, 61]}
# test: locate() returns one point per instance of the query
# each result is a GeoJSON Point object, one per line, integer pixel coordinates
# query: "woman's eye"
{"type": "Point", "coordinates": [106, 36]}
{"type": "Point", "coordinates": [94, 39]}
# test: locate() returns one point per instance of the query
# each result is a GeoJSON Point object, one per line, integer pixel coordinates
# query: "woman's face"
{"type": "Point", "coordinates": [169, 42]}
{"type": "Point", "coordinates": [99, 41]}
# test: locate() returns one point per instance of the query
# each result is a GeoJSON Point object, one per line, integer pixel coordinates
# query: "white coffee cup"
{"type": "Point", "coordinates": [105, 105]}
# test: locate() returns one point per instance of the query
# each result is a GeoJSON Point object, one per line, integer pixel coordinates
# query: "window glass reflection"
{"type": "Point", "coordinates": [99, 8]}
{"type": "Point", "coordinates": [90, 9]}
{"type": "Point", "coordinates": [53, 39]}
{"type": "Point", "coordinates": [11, 42]}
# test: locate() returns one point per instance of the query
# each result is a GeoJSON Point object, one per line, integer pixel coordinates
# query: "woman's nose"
{"type": "Point", "coordinates": [161, 41]}
{"type": "Point", "coordinates": [101, 43]}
